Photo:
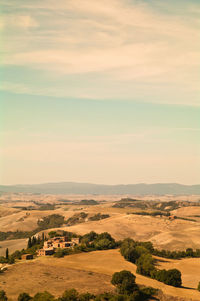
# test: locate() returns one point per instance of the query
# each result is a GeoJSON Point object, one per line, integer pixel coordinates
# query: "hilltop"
{"type": "Point", "coordinates": [88, 188]}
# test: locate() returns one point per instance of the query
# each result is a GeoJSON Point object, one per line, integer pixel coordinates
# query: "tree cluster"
{"type": "Point", "coordinates": [51, 221]}
{"type": "Point", "coordinates": [98, 217]}
{"type": "Point", "coordinates": [77, 218]}
{"type": "Point", "coordinates": [32, 241]}
{"type": "Point", "coordinates": [15, 234]}
{"type": "Point", "coordinates": [140, 253]}
{"type": "Point", "coordinates": [94, 241]}
{"type": "Point", "coordinates": [189, 252]}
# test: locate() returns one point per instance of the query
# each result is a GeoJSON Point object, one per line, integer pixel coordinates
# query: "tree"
{"type": "Point", "coordinates": [104, 241]}
{"type": "Point", "coordinates": [38, 240]}
{"type": "Point", "coordinates": [7, 253]}
{"type": "Point", "coordinates": [105, 235]}
{"type": "Point", "coordinates": [131, 254]}
{"type": "Point", "coordinates": [69, 295]}
{"type": "Point", "coordinates": [51, 221]}
{"type": "Point", "coordinates": [127, 244]}
{"type": "Point", "coordinates": [34, 241]}
{"type": "Point", "coordinates": [103, 244]}
{"type": "Point", "coordinates": [16, 254]}
{"type": "Point", "coordinates": [29, 243]}
{"type": "Point", "coordinates": [189, 252]}
{"type": "Point", "coordinates": [174, 278]}
{"type": "Point", "coordinates": [145, 264]}
{"type": "Point", "coordinates": [51, 234]}
{"type": "Point", "coordinates": [3, 296]}
{"type": "Point", "coordinates": [86, 297]}
{"type": "Point", "coordinates": [89, 237]}
{"type": "Point", "coordinates": [171, 277]}
{"type": "Point", "coordinates": [24, 297]}
{"type": "Point", "coordinates": [45, 296]}
{"type": "Point", "coordinates": [11, 259]}
{"type": "Point", "coordinates": [125, 282]}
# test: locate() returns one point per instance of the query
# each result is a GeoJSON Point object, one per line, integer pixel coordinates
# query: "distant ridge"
{"type": "Point", "coordinates": [87, 188]}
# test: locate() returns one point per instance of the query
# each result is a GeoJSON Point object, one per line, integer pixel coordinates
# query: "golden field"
{"type": "Point", "coordinates": [91, 272]}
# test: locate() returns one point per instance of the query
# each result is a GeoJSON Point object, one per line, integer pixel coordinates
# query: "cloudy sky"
{"type": "Point", "coordinates": [100, 91]}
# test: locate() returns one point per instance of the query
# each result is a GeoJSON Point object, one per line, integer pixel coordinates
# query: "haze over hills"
{"type": "Point", "coordinates": [87, 188]}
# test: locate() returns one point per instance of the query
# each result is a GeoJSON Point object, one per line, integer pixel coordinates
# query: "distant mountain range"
{"type": "Point", "coordinates": [87, 188]}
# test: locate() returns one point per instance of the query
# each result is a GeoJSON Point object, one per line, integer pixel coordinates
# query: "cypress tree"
{"type": "Point", "coordinates": [29, 243]}
{"type": "Point", "coordinates": [38, 240]}
{"type": "Point", "coordinates": [7, 253]}
{"type": "Point", "coordinates": [34, 241]}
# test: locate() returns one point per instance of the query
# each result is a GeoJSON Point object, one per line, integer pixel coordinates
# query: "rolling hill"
{"type": "Point", "coordinates": [87, 188]}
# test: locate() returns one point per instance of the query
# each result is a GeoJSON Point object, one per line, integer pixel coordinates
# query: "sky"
{"type": "Point", "coordinates": [100, 91]}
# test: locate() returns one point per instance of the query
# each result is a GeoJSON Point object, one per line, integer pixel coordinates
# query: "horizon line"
{"type": "Point", "coordinates": [99, 184]}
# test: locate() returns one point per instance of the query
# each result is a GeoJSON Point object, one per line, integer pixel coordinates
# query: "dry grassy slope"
{"type": "Point", "coordinates": [12, 245]}
{"type": "Point", "coordinates": [84, 271]}
{"type": "Point", "coordinates": [108, 262]}
{"type": "Point", "coordinates": [20, 221]}
{"type": "Point", "coordinates": [5, 211]}
{"type": "Point", "coordinates": [173, 235]}
{"type": "Point", "coordinates": [189, 267]}
{"type": "Point", "coordinates": [187, 211]}
{"type": "Point", "coordinates": [37, 276]}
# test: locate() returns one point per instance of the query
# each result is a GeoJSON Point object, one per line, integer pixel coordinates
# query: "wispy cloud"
{"type": "Point", "coordinates": [121, 41]}
{"type": "Point", "coordinates": [18, 21]}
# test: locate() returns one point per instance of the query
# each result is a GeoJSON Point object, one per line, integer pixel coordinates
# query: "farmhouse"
{"type": "Point", "coordinates": [57, 242]}
{"type": "Point", "coordinates": [45, 251]}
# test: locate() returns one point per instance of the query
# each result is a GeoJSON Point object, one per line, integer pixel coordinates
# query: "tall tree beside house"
{"type": "Point", "coordinates": [29, 243]}
{"type": "Point", "coordinates": [34, 241]}
{"type": "Point", "coordinates": [38, 240]}
{"type": "Point", "coordinates": [7, 253]}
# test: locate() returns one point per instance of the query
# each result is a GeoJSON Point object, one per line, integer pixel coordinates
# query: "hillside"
{"type": "Point", "coordinates": [85, 270]}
